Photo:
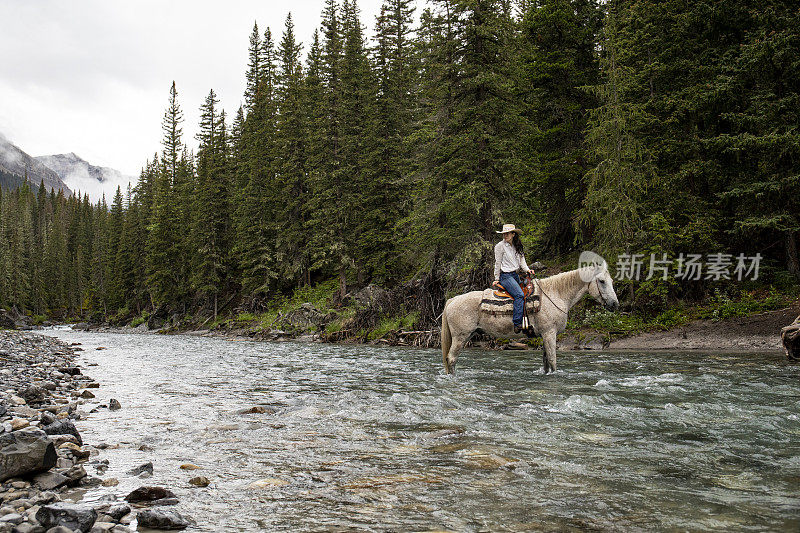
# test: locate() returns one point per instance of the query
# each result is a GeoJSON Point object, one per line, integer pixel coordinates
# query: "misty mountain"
{"type": "Point", "coordinates": [15, 164]}
{"type": "Point", "coordinates": [80, 175]}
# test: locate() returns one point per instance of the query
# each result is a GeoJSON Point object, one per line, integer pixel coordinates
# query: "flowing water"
{"type": "Point", "coordinates": [377, 438]}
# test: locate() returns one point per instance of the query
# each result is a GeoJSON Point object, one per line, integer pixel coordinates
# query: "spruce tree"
{"type": "Point", "coordinates": [292, 251]}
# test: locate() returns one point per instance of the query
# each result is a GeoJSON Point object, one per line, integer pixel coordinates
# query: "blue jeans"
{"type": "Point", "coordinates": [510, 282]}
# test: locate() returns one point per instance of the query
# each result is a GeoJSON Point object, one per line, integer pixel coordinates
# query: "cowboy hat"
{"type": "Point", "coordinates": [507, 228]}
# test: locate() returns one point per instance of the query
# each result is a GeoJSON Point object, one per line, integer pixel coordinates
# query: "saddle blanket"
{"type": "Point", "coordinates": [504, 306]}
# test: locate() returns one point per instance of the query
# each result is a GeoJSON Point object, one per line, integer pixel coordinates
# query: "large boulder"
{"type": "Point", "coordinates": [25, 452]}
{"type": "Point", "coordinates": [7, 320]}
{"type": "Point", "coordinates": [369, 296]}
{"type": "Point", "coordinates": [74, 516]}
{"type": "Point", "coordinates": [790, 336]}
{"type": "Point", "coordinates": [306, 316]}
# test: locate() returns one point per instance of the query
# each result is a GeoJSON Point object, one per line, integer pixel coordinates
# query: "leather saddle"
{"type": "Point", "coordinates": [501, 292]}
{"type": "Point", "coordinates": [527, 290]}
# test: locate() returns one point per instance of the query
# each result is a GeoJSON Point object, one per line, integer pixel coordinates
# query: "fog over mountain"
{"type": "Point", "coordinates": [16, 165]}
{"type": "Point", "coordinates": [80, 175]}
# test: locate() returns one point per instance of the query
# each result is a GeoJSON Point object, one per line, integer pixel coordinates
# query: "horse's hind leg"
{"type": "Point", "coordinates": [549, 356]}
{"type": "Point", "coordinates": [452, 354]}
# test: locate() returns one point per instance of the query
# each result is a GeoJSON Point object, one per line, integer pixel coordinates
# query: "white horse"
{"type": "Point", "coordinates": [462, 315]}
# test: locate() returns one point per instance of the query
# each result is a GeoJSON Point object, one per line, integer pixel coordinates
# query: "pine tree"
{"type": "Point", "coordinates": [620, 164]}
{"type": "Point", "coordinates": [469, 164]}
{"type": "Point", "coordinates": [292, 251]}
{"type": "Point", "coordinates": [389, 129]}
{"type": "Point", "coordinates": [211, 212]}
{"type": "Point", "coordinates": [255, 69]}
{"type": "Point", "coordinates": [254, 243]}
{"type": "Point", "coordinates": [557, 45]}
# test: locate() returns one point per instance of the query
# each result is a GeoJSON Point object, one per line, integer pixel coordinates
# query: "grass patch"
{"type": "Point", "coordinates": [403, 322]}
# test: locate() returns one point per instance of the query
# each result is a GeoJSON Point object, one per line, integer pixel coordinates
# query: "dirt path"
{"type": "Point", "coordinates": [757, 332]}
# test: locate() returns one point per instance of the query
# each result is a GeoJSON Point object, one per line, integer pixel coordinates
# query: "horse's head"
{"type": "Point", "coordinates": [600, 283]}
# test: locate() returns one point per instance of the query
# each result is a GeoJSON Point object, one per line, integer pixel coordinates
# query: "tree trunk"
{"type": "Point", "coordinates": [215, 306]}
{"type": "Point", "coordinates": [342, 282]}
{"type": "Point", "coordinates": [792, 261]}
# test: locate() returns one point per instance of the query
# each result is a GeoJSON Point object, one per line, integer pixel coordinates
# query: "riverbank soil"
{"type": "Point", "coordinates": [756, 332]}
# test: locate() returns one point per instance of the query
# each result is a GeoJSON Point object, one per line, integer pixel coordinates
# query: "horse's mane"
{"type": "Point", "coordinates": [563, 282]}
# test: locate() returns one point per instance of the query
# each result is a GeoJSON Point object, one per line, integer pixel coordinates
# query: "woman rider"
{"type": "Point", "coordinates": [509, 258]}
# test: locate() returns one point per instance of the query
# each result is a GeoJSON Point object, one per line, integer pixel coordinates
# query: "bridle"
{"type": "Point", "coordinates": [599, 292]}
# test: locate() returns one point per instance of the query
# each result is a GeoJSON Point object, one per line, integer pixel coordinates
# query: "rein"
{"type": "Point", "coordinates": [587, 287]}
{"type": "Point", "coordinates": [548, 297]}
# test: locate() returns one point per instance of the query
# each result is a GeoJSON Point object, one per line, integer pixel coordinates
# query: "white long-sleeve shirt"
{"type": "Point", "coordinates": [506, 259]}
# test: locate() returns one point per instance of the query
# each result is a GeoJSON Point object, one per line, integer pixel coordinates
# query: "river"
{"type": "Point", "coordinates": [378, 438]}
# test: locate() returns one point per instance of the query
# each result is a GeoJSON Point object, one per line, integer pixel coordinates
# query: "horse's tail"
{"type": "Point", "coordinates": [447, 341]}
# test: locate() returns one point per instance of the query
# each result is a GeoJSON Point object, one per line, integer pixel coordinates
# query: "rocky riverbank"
{"type": "Point", "coordinates": [45, 467]}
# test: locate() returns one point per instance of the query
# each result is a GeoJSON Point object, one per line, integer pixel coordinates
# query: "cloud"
{"type": "Point", "coordinates": [93, 76]}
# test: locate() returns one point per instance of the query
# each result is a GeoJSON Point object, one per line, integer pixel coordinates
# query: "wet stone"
{"type": "Point", "coordinates": [200, 481]}
{"type": "Point", "coordinates": [25, 452]}
{"type": "Point", "coordinates": [12, 518]}
{"type": "Point", "coordinates": [50, 480]}
{"type": "Point", "coordinates": [163, 519]}
{"type": "Point", "coordinates": [73, 516]}
{"type": "Point", "coordinates": [149, 494]}
{"type": "Point", "coordinates": [145, 470]}
{"type": "Point", "coordinates": [63, 427]}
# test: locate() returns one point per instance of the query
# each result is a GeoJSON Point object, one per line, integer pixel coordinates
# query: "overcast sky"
{"type": "Point", "coordinates": [93, 76]}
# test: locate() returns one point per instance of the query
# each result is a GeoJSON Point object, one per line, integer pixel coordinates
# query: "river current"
{"type": "Point", "coordinates": [380, 439]}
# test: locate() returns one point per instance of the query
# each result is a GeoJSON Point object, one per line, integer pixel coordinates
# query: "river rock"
{"type": "Point", "coordinates": [75, 450]}
{"type": "Point", "coordinates": [74, 516]}
{"type": "Point", "coordinates": [200, 481]}
{"type": "Point", "coordinates": [115, 512]}
{"type": "Point", "coordinates": [74, 474]}
{"type": "Point", "coordinates": [63, 427]}
{"type": "Point", "coordinates": [12, 518]}
{"type": "Point", "coordinates": [34, 394]}
{"type": "Point", "coordinates": [50, 480]}
{"type": "Point", "coordinates": [149, 494]}
{"type": "Point", "coordinates": [86, 395]}
{"type": "Point", "coordinates": [25, 452]}
{"type": "Point", "coordinates": [114, 405]}
{"type": "Point", "coordinates": [46, 418]}
{"type": "Point", "coordinates": [163, 519]}
{"type": "Point", "coordinates": [145, 470]}
{"type": "Point", "coordinates": [790, 336]}
{"type": "Point", "coordinates": [19, 423]}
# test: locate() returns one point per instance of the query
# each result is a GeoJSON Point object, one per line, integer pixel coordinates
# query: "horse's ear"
{"type": "Point", "coordinates": [594, 263]}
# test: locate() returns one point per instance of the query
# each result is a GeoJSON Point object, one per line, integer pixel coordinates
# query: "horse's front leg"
{"type": "Point", "coordinates": [549, 355]}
